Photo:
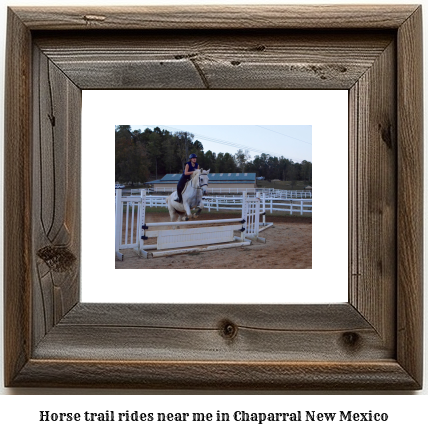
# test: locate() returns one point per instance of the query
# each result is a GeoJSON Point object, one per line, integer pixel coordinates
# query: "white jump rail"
{"type": "Point", "coordinates": [132, 230]}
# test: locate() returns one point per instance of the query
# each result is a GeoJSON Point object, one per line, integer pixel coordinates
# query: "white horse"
{"type": "Point", "coordinates": [192, 194]}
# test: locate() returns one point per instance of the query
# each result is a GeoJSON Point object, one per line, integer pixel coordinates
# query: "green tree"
{"type": "Point", "coordinates": [307, 171]}
{"type": "Point", "coordinates": [241, 159]}
{"type": "Point", "coordinates": [131, 163]}
{"type": "Point", "coordinates": [166, 152]}
{"type": "Point", "coordinates": [169, 153]}
{"type": "Point", "coordinates": [196, 147]}
{"type": "Point", "coordinates": [225, 163]}
{"type": "Point", "coordinates": [260, 163]}
{"type": "Point", "coordinates": [292, 174]}
{"type": "Point", "coordinates": [154, 148]}
{"type": "Point", "coordinates": [272, 168]}
{"type": "Point", "coordinates": [184, 141]}
{"type": "Point", "coordinates": [208, 161]}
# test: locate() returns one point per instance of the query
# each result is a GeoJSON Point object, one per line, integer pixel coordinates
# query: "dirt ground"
{"type": "Point", "coordinates": [288, 245]}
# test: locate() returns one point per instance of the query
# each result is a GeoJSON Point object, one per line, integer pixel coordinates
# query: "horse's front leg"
{"type": "Point", "coordinates": [199, 209]}
{"type": "Point", "coordinates": [188, 212]}
{"type": "Point", "coordinates": [177, 219]}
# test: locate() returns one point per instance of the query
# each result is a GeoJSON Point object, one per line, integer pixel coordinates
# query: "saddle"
{"type": "Point", "coordinates": [182, 192]}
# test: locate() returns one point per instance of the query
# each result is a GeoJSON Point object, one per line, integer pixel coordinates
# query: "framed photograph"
{"type": "Point", "coordinates": [287, 251]}
{"type": "Point", "coordinates": [371, 342]}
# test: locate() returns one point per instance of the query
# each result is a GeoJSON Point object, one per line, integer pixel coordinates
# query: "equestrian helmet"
{"type": "Point", "coordinates": [192, 156]}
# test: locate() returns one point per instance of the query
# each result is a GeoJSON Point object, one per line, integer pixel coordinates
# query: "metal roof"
{"type": "Point", "coordinates": [214, 177]}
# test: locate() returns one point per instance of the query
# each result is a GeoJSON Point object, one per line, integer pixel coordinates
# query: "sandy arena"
{"type": "Point", "coordinates": [288, 245]}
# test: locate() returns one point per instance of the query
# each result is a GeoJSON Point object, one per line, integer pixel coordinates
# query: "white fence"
{"type": "Point", "coordinates": [234, 203]}
{"type": "Point", "coordinates": [270, 192]}
{"type": "Point", "coordinates": [209, 190]}
{"type": "Point", "coordinates": [268, 204]}
{"type": "Point", "coordinates": [287, 194]}
{"type": "Point", "coordinates": [292, 206]}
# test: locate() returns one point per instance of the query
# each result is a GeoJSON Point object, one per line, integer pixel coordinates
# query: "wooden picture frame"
{"type": "Point", "coordinates": [372, 342]}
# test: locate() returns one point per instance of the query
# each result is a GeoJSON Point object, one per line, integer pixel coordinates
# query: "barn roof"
{"type": "Point", "coordinates": [213, 177]}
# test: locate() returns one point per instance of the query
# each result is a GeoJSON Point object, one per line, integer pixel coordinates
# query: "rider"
{"type": "Point", "coordinates": [190, 167]}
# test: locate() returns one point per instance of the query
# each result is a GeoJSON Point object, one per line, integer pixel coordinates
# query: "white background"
{"type": "Point", "coordinates": [21, 412]}
{"type": "Point", "coordinates": [326, 282]}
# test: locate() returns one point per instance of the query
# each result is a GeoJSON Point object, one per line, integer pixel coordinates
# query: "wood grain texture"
{"type": "Point", "coordinates": [17, 198]}
{"type": "Point", "coordinates": [410, 196]}
{"type": "Point", "coordinates": [56, 194]}
{"type": "Point", "coordinates": [211, 316]}
{"type": "Point", "coordinates": [385, 375]}
{"type": "Point", "coordinates": [217, 17]}
{"type": "Point", "coordinates": [216, 59]}
{"type": "Point", "coordinates": [199, 332]}
{"type": "Point", "coordinates": [372, 342]}
{"type": "Point", "coordinates": [373, 177]}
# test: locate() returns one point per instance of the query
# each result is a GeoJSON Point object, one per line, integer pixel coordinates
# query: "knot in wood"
{"type": "Point", "coordinates": [228, 330]}
{"type": "Point", "coordinates": [58, 259]}
{"type": "Point", "coordinates": [351, 340]}
{"type": "Point", "coordinates": [386, 134]}
{"type": "Point", "coordinates": [93, 18]}
{"type": "Point", "coordinates": [257, 48]}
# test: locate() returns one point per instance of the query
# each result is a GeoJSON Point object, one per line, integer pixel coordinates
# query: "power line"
{"type": "Point", "coordinates": [226, 143]}
{"type": "Point", "coordinates": [286, 135]}
{"type": "Point", "coordinates": [222, 142]}
{"type": "Point", "coordinates": [232, 144]}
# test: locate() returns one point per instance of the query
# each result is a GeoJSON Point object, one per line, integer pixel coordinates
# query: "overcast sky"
{"type": "Point", "coordinates": [290, 141]}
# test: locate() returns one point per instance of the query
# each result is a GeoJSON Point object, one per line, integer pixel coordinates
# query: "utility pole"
{"type": "Point", "coordinates": [186, 146]}
{"type": "Point", "coordinates": [181, 135]}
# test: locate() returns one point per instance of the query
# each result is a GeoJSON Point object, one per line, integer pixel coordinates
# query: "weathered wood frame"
{"type": "Point", "coordinates": [372, 342]}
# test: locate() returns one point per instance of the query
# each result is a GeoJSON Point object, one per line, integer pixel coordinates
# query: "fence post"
{"type": "Point", "coordinates": [142, 220]}
{"type": "Point", "coordinates": [264, 209]}
{"type": "Point", "coordinates": [244, 215]}
{"type": "Point", "coordinates": [118, 223]}
{"type": "Point", "coordinates": [257, 215]}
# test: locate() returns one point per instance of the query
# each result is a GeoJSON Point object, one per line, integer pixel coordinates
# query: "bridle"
{"type": "Point", "coordinates": [200, 180]}
{"type": "Point", "coordinates": [202, 185]}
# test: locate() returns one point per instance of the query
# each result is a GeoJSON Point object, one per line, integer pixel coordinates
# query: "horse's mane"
{"type": "Point", "coordinates": [194, 177]}
{"type": "Point", "coordinates": [196, 172]}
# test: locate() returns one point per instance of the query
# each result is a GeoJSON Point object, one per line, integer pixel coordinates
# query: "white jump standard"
{"type": "Point", "coordinates": [184, 240]}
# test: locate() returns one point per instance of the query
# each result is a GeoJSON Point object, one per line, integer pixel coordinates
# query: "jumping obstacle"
{"type": "Point", "coordinates": [179, 241]}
